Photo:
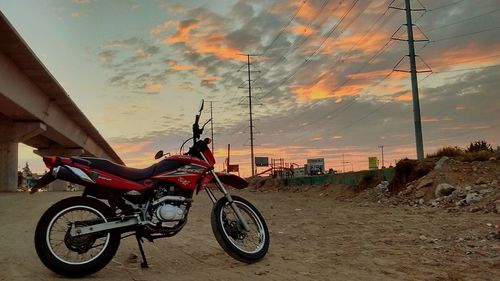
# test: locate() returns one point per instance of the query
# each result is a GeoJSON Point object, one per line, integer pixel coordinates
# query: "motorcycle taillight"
{"type": "Point", "coordinates": [50, 161]}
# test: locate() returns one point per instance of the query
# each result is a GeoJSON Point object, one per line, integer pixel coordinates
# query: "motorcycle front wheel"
{"type": "Point", "coordinates": [75, 256]}
{"type": "Point", "coordinates": [245, 246]}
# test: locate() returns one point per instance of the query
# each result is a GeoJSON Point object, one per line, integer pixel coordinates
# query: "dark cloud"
{"type": "Point", "coordinates": [130, 61]}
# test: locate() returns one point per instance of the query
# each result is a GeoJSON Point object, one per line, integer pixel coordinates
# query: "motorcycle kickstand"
{"type": "Point", "coordinates": [144, 263]}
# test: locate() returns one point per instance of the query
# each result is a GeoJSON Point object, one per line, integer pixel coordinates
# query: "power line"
{"type": "Point", "coordinates": [462, 21]}
{"type": "Point", "coordinates": [378, 53]}
{"type": "Point", "coordinates": [283, 81]}
{"type": "Point", "coordinates": [293, 48]}
{"type": "Point", "coordinates": [284, 27]}
{"type": "Point", "coordinates": [341, 59]}
{"type": "Point", "coordinates": [283, 57]}
{"type": "Point", "coordinates": [467, 69]}
{"type": "Point", "coordinates": [362, 118]}
{"type": "Point", "coordinates": [446, 5]}
{"type": "Point", "coordinates": [464, 35]}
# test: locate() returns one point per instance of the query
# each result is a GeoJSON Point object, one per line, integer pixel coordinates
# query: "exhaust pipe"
{"type": "Point", "coordinates": [72, 174]}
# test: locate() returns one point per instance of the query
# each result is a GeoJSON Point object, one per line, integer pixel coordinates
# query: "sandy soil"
{"type": "Point", "coordinates": [313, 237]}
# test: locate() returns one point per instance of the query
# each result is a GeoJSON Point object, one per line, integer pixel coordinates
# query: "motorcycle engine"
{"type": "Point", "coordinates": [169, 214]}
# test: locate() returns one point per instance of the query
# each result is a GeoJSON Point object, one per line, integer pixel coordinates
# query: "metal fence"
{"type": "Point", "coordinates": [344, 178]}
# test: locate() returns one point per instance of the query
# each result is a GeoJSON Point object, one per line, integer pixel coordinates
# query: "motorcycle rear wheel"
{"type": "Point", "coordinates": [247, 247]}
{"type": "Point", "coordinates": [75, 256]}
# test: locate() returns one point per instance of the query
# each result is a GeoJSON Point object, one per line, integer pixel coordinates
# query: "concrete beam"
{"type": "Point", "coordinates": [20, 131]}
{"type": "Point", "coordinates": [27, 130]}
{"type": "Point", "coordinates": [58, 150]}
{"type": "Point", "coordinates": [20, 90]}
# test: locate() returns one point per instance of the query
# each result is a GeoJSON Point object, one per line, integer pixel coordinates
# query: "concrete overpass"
{"type": "Point", "coordinates": [37, 111]}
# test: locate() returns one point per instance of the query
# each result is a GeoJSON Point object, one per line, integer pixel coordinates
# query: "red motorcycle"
{"type": "Point", "coordinates": [79, 235]}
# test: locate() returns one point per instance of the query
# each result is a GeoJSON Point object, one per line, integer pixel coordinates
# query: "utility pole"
{"type": "Point", "coordinates": [343, 163]}
{"type": "Point", "coordinates": [382, 148]}
{"type": "Point", "coordinates": [414, 84]}
{"type": "Point", "coordinates": [250, 110]}
{"type": "Point", "coordinates": [413, 73]}
{"type": "Point", "coordinates": [228, 156]}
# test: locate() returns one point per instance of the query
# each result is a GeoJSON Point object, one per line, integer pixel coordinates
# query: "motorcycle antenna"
{"type": "Point", "coordinates": [212, 124]}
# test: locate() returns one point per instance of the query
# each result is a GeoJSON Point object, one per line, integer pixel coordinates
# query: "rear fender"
{"type": "Point", "coordinates": [231, 180]}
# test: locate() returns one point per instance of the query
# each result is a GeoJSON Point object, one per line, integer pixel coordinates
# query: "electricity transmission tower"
{"type": "Point", "coordinates": [413, 71]}
{"type": "Point", "coordinates": [250, 108]}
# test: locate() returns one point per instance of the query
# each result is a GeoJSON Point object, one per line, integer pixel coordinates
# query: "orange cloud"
{"type": "Point", "coordinates": [315, 92]}
{"type": "Point", "coordinates": [344, 43]}
{"type": "Point", "coordinates": [308, 11]}
{"type": "Point", "coordinates": [128, 148]}
{"type": "Point", "coordinates": [369, 75]}
{"type": "Point", "coordinates": [143, 161]}
{"type": "Point", "coordinates": [300, 29]}
{"type": "Point", "coordinates": [184, 86]}
{"type": "Point", "coordinates": [204, 43]}
{"type": "Point", "coordinates": [215, 44]}
{"type": "Point", "coordinates": [175, 66]}
{"type": "Point", "coordinates": [183, 32]}
{"type": "Point", "coordinates": [403, 97]}
{"type": "Point", "coordinates": [471, 55]}
{"type": "Point", "coordinates": [153, 87]}
{"type": "Point", "coordinates": [322, 90]}
{"type": "Point", "coordinates": [162, 27]}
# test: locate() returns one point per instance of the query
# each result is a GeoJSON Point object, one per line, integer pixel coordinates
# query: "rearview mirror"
{"type": "Point", "coordinates": [159, 154]}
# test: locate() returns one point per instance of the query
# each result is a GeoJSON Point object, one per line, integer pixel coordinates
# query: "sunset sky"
{"type": "Point", "coordinates": [325, 85]}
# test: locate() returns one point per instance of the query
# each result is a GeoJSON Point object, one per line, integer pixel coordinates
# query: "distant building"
{"type": "Point", "coordinates": [315, 166]}
{"type": "Point", "coordinates": [299, 172]}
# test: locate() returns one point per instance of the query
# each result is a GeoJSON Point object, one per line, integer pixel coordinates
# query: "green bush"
{"type": "Point", "coordinates": [367, 178]}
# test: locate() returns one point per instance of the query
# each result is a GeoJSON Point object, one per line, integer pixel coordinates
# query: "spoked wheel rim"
{"type": "Point", "coordinates": [75, 250]}
{"type": "Point", "coordinates": [249, 242]}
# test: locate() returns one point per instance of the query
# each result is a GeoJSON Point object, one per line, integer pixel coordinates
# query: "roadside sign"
{"type": "Point", "coordinates": [261, 161]}
{"type": "Point", "coordinates": [234, 168]}
{"type": "Point", "coordinates": [372, 163]}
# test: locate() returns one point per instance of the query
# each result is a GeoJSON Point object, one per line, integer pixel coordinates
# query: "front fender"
{"type": "Point", "coordinates": [231, 180]}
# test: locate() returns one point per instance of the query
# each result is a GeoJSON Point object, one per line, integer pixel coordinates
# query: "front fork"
{"type": "Point", "coordinates": [227, 195]}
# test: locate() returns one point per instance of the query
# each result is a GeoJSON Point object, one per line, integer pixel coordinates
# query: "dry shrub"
{"type": "Point", "coordinates": [369, 180]}
{"type": "Point", "coordinates": [408, 170]}
{"type": "Point", "coordinates": [483, 155]}
{"type": "Point", "coordinates": [479, 146]}
{"type": "Point", "coordinates": [447, 151]}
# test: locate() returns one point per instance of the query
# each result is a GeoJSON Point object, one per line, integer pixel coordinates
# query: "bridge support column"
{"type": "Point", "coordinates": [11, 134]}
{"type": "Point", "coordinates": [58, 150]}
{"type": "Point", "coordinates": [8, 166]}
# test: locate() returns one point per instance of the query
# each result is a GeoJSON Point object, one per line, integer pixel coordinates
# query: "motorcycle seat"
{"type": "Point", "coordinates": [105, 165]}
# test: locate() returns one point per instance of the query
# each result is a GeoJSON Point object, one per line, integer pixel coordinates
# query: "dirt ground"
{"type": "Point", "coordinates": [313, 237]}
